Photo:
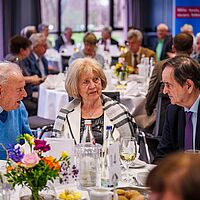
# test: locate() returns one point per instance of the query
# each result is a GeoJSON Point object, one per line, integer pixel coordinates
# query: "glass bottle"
{"type": "Point", "coordinates": [87, 133]}
{"type": "Point", "coordinates": [105, 160]}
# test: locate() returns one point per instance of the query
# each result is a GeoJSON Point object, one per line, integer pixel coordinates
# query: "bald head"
{"type": "Point", "coordinates": [11, 86]}
{"type": "Point", "coordinates": [162, 30]}
{"type": "Point", "coordinates": [8, 70]}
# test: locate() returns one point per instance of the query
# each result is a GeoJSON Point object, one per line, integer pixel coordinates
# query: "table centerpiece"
{"type": "Point", "coordinates": [32, 167]}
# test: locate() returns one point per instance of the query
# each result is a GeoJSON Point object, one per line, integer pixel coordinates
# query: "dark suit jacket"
{"type": "Point", "coordinates": [167, 47]}
{"type": "Point", "coordinates": [174, 131]}
{"type": "Point", "coordinates": [30, 65]}
{"type": "Point", "coordinates": [112, 41]}
{"type": "Point", "coordinates": [59, 42]}
{"type": "Point", "coordinates": [154, 88]}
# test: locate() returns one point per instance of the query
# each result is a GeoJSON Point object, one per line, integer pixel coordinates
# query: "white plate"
{"type": "Point", "coordinates": [137, 164]}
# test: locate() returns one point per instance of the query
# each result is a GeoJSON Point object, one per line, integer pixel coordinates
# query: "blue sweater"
{"type": "Point", "coordinates": [16, 124]}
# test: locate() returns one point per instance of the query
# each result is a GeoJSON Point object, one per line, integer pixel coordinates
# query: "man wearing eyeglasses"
{"type": "Point", "coordinates": [181, 132]}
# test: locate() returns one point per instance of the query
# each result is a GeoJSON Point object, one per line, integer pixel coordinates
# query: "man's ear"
{"type": "Point", "coordinates": [190, 85]}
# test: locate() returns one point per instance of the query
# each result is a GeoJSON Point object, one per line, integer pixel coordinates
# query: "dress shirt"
{"type": "Point", "coordinates": [1, 109]}
{"type": "Point", "coordinates": [159, 49]}
{"type": "Point", "coordinates": [40, 63]}
{"type": "Point", "coordinates": [66, 41]}
{"type": "Point", "coordinates": [194, 110]}
{"type": "Point", "coordinates": [107, 45]}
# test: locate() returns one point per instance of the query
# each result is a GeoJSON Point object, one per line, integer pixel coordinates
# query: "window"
{"type": "Point", "coordinates": [82, 16]}
{"type": "Point", "coordinates": [119, 10]}
{"type": "Point", "coordinates": [73, 15]}
{"type": "Point", "coordinates": [49, 11]}
{"type": "Point", "coordinates": [98, 14]}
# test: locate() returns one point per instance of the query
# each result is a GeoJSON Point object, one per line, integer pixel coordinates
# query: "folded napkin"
{"type": "Point", "coordinates": [54, 81]}
{"type": "Point", "coordinates": [132, 89]}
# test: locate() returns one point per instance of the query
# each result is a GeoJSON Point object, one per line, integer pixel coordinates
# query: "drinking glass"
{"type": "Point", "coordinates": [128, 151]}
{"type": "Point", "coordinates": [123, 76]}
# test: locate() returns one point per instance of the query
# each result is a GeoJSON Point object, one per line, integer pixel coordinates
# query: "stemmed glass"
{"type": "Point", "coordinates": [128, 152]}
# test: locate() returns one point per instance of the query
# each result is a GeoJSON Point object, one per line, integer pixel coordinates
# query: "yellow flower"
{"type": "Point", "coordinates": [64, 155]}
{"type": "Point", "coordinates": [29, 138]}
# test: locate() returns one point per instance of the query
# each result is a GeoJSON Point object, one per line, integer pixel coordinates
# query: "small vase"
{"type": "Point", "coordinates": [48, 193]}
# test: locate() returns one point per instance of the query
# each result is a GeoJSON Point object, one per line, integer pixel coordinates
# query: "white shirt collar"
{"type": "Point", "coordinates": [36, 56]}
{"type": "Point", "coordinates": [194, 107]}
{"type": "Point", "coordinates": [1, 109]}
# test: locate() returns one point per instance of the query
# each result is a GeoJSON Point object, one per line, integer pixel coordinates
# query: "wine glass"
{"type": "Point", "coordinates": [128, 152]}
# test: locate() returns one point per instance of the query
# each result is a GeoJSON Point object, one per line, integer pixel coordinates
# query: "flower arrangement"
{"type": "Point", "coordinates": [122, 67]}
{"type": "Point", "coordinates": [33, 169]}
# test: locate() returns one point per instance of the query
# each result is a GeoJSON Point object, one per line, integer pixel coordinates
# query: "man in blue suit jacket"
{"type": "Point", "coordinates": [35, 64]}
{"type": "Point", "coordinates": [181, 79]}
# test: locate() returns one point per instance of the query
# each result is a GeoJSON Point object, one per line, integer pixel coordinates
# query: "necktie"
{"type": "Point", "coordinates": [3, 116]}
{"type": "Point", "coordinates": [105, 46]}
{"type": "Point", "coordinates": [188, 131]}
{"type": "Point", "coordinates": [135, 60]}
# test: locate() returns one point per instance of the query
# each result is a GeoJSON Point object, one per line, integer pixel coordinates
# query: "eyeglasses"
{"type": "Point", "coordinates": [87, 82]}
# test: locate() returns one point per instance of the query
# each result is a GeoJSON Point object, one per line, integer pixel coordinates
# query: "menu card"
{"type": "Point", "coordinates": [114, 162]}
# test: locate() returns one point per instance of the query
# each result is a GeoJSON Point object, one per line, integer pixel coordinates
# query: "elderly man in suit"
{"type": "Point", "coordinates": [65, 39]}
{"type": "Point", "coordinates": [182, 45]}
{"type": "Point", "coordinates": [107, 39]}
{"type": "Point", "coordinates": [136, 51]}
{"type": "Point", "coordinates": [163, 44]}
{"type": "Point", "coordinates": [35, 64]}
{"type": "Point", "coordinates": [181, 79]}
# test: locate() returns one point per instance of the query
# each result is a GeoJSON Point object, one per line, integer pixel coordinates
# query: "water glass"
{"type": "Point", "coordinates": [88, 164]}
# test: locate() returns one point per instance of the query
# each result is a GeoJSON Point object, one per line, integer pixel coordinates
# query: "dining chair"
{"type": "Point", "coordinates": [113, 95]}
{"type": "Point", "coordinates": [40, 126]}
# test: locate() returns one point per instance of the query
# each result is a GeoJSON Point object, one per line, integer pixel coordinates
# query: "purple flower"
{"type": "Point", "coordinates": [14, 153]}
{"type": "Point", "coordinates": [41, 145]}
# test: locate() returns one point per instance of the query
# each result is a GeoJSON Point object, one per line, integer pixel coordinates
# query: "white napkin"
{"type": "Point", "coordinates": [54, 81]}
{"type": "Point", "coordinates": [132, 89]}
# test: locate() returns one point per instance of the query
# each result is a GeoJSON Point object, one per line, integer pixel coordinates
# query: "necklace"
{"type": "Point", "coordinates": [90, 114]}
{"type": "Point", "coordinates": [91, 111]}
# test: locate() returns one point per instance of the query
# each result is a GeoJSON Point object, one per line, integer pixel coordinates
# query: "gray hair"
{"type": "Point", "coordinates": [41, 27]}
{"type": "Point", "coordinates": [187, 28]}
{"type": "Point", "coordinates": [78, 66]}
{"type": "Point", "coordinates": [107, 29]}
{"type": "Point", "coordinates": [136, 34]}
{"type": "Point", "coordinates": [162, 26]}
{"type": "Point", "coordinates": [198, 35]}
{"type": "Point", "coordinates": [7, 69]}
{"type": "Point", "coordinates": [37, 38]}
{"type": "Point", "coordinates": [27, 29]}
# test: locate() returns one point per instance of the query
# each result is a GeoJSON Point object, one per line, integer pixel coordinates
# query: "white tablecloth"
{"type": "Point", "coordinates": [50, 102]}
{"type": "Point", "coordinates": [60, 188]}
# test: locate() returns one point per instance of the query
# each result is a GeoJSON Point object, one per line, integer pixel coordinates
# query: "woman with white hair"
{"type": "Point", "coordinates": [85, 82]}
{"type": "Point", "coordinates": [196, 55]}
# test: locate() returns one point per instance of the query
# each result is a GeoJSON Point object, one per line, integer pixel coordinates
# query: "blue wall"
{"type": "Point", "coordinates": [179, 22]}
